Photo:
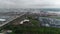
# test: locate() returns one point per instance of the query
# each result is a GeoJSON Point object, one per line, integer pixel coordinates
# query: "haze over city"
{"type": "Point", "coordinates": [29, 16]}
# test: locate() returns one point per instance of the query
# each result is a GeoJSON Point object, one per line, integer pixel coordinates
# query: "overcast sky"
{"type": "Point", "coordinates": [29, 3]}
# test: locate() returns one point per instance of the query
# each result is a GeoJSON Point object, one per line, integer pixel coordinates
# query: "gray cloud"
{"type": "Point", "coordinates": [29, 3]}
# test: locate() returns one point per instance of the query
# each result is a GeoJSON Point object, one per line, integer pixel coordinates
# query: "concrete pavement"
{"type": "Point", "coordinates": [12, 19]}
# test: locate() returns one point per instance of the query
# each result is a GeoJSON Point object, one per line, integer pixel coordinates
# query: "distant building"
{"type": "Point", "coordinates": [6, 31]}
{"type": "Point", "coordinates": [2, 19]}
{"type": "Point", "coordinates": [49, 22]}
{"type": "Point", "coordinates": [26, 20]}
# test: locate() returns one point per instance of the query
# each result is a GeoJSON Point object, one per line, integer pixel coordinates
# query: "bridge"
{"type": "Point", "coordinates": [11, 19]}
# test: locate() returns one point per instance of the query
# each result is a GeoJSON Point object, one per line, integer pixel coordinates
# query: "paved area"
{"type": "Point", "coordinates": [10, 18]}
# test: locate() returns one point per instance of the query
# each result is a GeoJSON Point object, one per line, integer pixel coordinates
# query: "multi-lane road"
{"type": "Point", "coordinates": [11, 19]}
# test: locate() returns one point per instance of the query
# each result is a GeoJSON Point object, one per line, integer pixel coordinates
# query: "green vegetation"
{"type": "Point", "coordinates": [33, 20]}
{"type": "Point", "coordinates": [53, 17]}
{"type": "Point", "coordinates": [22, 29]}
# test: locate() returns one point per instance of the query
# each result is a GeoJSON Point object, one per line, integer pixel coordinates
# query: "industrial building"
{"type": "Point", "coordinates": [49, 22]}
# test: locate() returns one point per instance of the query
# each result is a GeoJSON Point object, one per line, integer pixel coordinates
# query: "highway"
{"type": "Point", "coordinates": [12, 19]}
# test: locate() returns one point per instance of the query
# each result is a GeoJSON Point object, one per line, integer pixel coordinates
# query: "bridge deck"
{"type": "Point", "coordinates": [11, 19]}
